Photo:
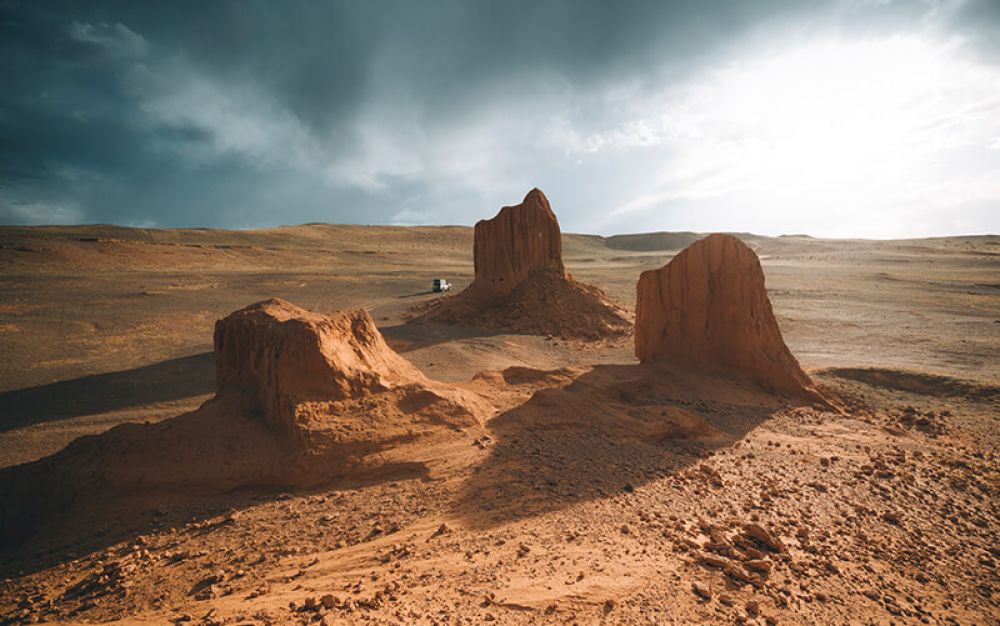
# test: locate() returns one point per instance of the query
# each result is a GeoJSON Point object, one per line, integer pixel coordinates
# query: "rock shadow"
{"type": "Point", "coordinates": [608, 430]}
{"type": "Point", "coordinates": [134, 478]}
{"type": "Point", "coordinates": [919, 383]}
{"type": "Point", "coordinates": [88, 395]}
{"type": "Point", "coordinates": [419, 333]}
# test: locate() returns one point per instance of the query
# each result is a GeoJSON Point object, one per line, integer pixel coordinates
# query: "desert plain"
{"type": "Point", "coordinates": [567, 501]}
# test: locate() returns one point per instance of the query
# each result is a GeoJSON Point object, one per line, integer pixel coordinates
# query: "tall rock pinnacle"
{"type": "Point", "coordinates": [708, 308]}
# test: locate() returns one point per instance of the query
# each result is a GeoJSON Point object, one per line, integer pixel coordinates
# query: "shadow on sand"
{"type": "Point", "coordinates": [426, 292]}
{"type": "Point", "coordinates": [417, 334]}
{"type": "Point", "coordinates": [609, 430]}
{"type": "Point", "coordinates": [160, 382]}
{"type": "Point", "coordinates": [582, 435]}
{"type": "Point", "coordinates": [920, 383]}
{"type": "Point", "coordinates": [134, 478]}
{"type": "Point", "coordinates": [58, 542]}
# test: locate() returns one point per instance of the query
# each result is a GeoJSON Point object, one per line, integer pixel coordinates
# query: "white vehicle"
{"type": "Point", "coordinates": [441, 284]}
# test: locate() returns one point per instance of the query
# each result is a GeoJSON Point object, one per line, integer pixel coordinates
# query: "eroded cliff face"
{"type": "Point", "coordinates": [522, 285]}
{"type": "Point", "coordinates": [708, 308]}
{"type": "Point", "coordinates": [520, 240]}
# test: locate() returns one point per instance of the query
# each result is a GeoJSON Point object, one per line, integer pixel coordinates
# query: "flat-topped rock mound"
{"type": "Point", "coordinates": [708, 308]}
{"type": "Point", "coordinates": [307, 372]}
{"type": "Point", "coordinates": [330, 378]}
{"type": "Point", "coordinates": [522, 285]}
{"type": "Point", "coordinates": [276, 349]}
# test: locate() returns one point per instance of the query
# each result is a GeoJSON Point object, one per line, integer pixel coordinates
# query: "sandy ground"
{"type": "Point", "coordinates": [556, 511]}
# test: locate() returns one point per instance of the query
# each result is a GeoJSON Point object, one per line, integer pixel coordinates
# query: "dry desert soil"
{"type": "Point", "coordinates": [574, 503]}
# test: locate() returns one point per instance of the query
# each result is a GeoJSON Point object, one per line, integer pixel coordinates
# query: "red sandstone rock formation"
{"type": "Point", "coordinates": [283, 356]}
{"type": "Point", "coordinates": [708, 308]}
{"type": "Point", "coordinates": [301, 399]}
{"type": "Point", "coordinates": [520, 240]}
{"type": "Point", "coordinates": [522, 285]}
{"type": "Point", "coordinates": [306, 371]}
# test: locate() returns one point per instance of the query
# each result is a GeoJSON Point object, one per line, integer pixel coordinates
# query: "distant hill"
{"type": "Point", "coordinates": [646, 242]}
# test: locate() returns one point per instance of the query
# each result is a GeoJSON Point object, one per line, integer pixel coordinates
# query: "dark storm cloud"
{"type": "Point", "coordinates": [255, 113]}
{"type": "Point", "coordinates": [980, 20]}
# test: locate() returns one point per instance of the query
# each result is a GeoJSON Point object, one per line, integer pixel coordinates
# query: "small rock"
{"type": "Point", "coordinates": [208, 593]}
{"type": "Point", "coordinates": [737, 573]}
{"type": "Point", "coordinates": [891, 518]}
{"type": "Point", "coordinates": [442, 529]}
{"type": "Point", "coordinates": [701, 591]}
{"type": "Point", "coordinates": [713, 561]}
{"type": "Point", "coordinates": [759, 534]}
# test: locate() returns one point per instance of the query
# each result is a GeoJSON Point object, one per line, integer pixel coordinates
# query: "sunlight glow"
{"type": "Point", "coordinates": [856, 128]}
{"type": "Point", "coordinates": [831, 116]}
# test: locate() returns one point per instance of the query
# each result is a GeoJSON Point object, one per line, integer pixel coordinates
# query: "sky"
{"type": "Point", "coordinates": [850, 118]}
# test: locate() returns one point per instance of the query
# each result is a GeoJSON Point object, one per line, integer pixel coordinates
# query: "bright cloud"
{"type": "Point", "coordinates": [856, 128]}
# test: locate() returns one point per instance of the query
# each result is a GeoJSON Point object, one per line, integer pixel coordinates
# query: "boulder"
{"type": "Point", "coordinates": [708, 309]}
